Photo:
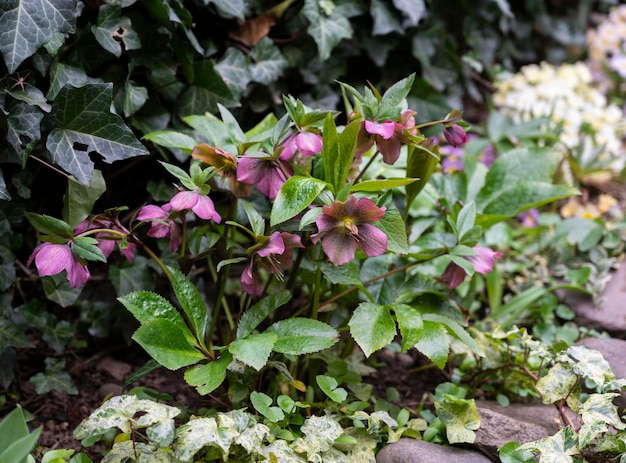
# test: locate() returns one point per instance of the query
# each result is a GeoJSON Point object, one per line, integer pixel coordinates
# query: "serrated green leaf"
{"type": "Point", "coordinates": [379, 185]}
{"type": "Point", "coordinates": [338, 151]}
{"type": "Point", "coordinates": [172, 139]}
{"type": "Point", "coordinates": [456, 330]}
{"type": "Point", "coordinates": [391, 101]}
{"type": "Point", "coordinates": [346, 274]}
{"type": "Point", "coordinates": [167, 344]}
{"type": "Point", "coordinates": [410, 323]}
{"type": "Point", "coordinates": [434, 343]}
{"type": "Point", "coordinates": [299, 336]}
{"type": "Point", "coordinates": [254, 350]}
{"type": "Point", "coordinates": [296, 194]}
{"type": "Point", "coordinates": [256, 220]}
{"type": "Point", "coordinates": [191, 302]}
{"type": "Point", "coordinates": [86, 247]}
{"type": "Point", "coordinates": [394, 227]}
{"type": "Point", "coordinates": [259, 312]}
{"type": "Point", "coordinates": [82, 122]}
{"type": "Point", "coordinates": [27, 25]}
{"type": "Point", "coordinates": [206, 378]}
{"type": "Point", "coordinates": [48, 225]}
{"type": "Point", "coordinates": [372, 327]}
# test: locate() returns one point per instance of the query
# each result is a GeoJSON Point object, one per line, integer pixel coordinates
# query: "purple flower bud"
{"type": "Point", "coordinates": [455, 135]}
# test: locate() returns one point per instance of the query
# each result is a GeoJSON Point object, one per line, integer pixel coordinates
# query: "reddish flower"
{"type": "Point", "coordinates": [388, 136]}
{"type": "Point", "coordinates": [267, 173]}
{"type": "Point", "coordinates": [345, 226]}
{"type": "Point", "coordinates": [274, 256]}
{"type": "Point", "coordinates": [161, 224]}
{"type": "Point", "coordinates": [201, 205]}
{"type": "Point", "coordinates": [483, 262]}
{"type": "Point", "coordinates": [51, 259]}
{"type": "Point", "coordinates": [306, 143]}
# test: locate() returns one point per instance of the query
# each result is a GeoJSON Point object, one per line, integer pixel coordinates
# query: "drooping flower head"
{"type": "Point", "coordinates": [51, 259]}
{"type": "Point", "coordinates": [303, 142]}
{"type": "Point", "coordinates": [225, 164]}
{"type": "Point", "coordinates": [266, 173]}
{"type": "Point", "coordinates": [344, 226]}
{"type": "Point", "coordinates": [108, 240]}
{"type": "Point", "coordinates": [198, 203]}
{"type": "Point", "coordinates": [274, 255]}
{"type": "Point", "coordinates": [483, 262]}
{"type": "Point", "coordinates": [161, 224]}
{"type": "Point", "coordinates": [389, 136]}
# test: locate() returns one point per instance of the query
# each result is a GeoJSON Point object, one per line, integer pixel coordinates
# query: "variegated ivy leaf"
{"type": "Point", "coordinates": [461, 419]}
{"type": "Point", "coordinates": [588, 432]}
{"type": "Point", "coordinates": [363, 450]}
{"type": "Point", "coordinates": [557, 384]}
{"type": "Point", "coordinates": [121, 452]}
{"type": "Point", "coordinates": [589, 364]}
{"type": "Point", "coordinates": [280, 452]}
{"type": "Point", "coordinates": [555, 449]}
{"type": "Point", "coordinates": [600, 407]}
{"type": "Point", "coordinates": [320, 433]}
{"type": "Point", "coordinates": [199, 433]}
{"type": "Point", "coordinates": [119, 412]}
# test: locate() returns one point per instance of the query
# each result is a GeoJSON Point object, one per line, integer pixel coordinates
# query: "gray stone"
{"type": "Point", "coordinates": [610, 316]}
{"type": "Point", "coordinates": [614, 351]}
{"type": "Point", "coordinates": [418, 451]}
{"type": "Point", "coordinates": [517, 423]}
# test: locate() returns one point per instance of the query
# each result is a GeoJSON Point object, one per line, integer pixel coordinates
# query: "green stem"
{"type": "Point", "coordinates": [369, 163]}
{"type": "Point", "coordinates": [315, 303]}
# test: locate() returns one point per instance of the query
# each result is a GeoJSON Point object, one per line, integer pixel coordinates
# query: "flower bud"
{"type": "Point", "coordinates": [455, 135]}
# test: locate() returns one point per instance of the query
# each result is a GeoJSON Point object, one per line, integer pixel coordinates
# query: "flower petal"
{"type": "Point", "coordinates": [184, 200]}
{"type": "Point", "coordinates": [339, 248]}
{"type": "Point", "coordinates": [52, 259]}
{"type": "Point", "coordinates": [384, 129]}
{"type": "Point", "coordinates": [371, 240]}
{"type": "Point", "coordinates": [205, 209]}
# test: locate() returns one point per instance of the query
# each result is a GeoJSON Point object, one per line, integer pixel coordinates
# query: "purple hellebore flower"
{"type": "Point", "coordinates": [483, 262]}
{"type": "Point", "coordinates": [225, 164]}
{"type": "Point", "coordinates": [161, 225]}
{"type": "Point", "coordinates": [388, 136]}
{"type": "Point", "coordinates": [201, 205]}
{"type": "Point", "coordinates": [452, 160]}
{"type": "Point", "coordinates": [274, 256]}
{"type": "Point", "coordinates": [488, 156]}
{"type": "Point", "coordinates": [51, 259]}
{"type": "Point", "coordinates": [307, 143]}
{"type": "Point", "coordinates": [455, 135]}
{"type": "Point", "coordinates": [266, 173]}
{"type": "Point", "coordinates": [529, 218]}
{"type": "Point", "coordinates": [345, 226]}
{"type": "Point", "coordinates": [107, 241]}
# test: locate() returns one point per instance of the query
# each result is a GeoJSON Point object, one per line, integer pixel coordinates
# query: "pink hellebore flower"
{"type": "Point", "coordinates": [274, 256]}
{"type": "Point", "coordinates": [307, 143]}
{"type": "Point", "coordinates": [345, 226]}
{"type": "Point", "coordinates": [201, 205]}
{"type": "Point", "coordinates": [161, 225]}
{"type": "Point", "coordinates": [388, 136]}
{"type": "Point", "coordinates": [455, 135]}
{"type": "Point", "coordinates": [266, 173]}
{"type": "Point", "coordinates": [51, 259]}
{"type": "Point", "coordinates": [107, 241]}
{"type": "Point", "coordinates": [483, 262]}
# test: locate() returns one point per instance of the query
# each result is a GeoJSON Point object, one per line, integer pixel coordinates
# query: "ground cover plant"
{"type": "Point", "coordinates": [270, 240]}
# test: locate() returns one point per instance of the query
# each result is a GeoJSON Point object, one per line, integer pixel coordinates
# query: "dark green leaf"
{"type": "Point", "coordinates": [114, 32]}
{"type": "Point", "coordinates": [253, 350]}
{"type": "Point", "coordinates": [259, 312]}
{"type": "Point", "coordinates": [298, 336]}
{"type": "Point", "coordinates": [208, 377]}
{"type": "Point", "coordinates": [83, 123]}
{"type": "Point", "coordinates": [269, 63]}
{"type": "Point", "coordinates": [328, 385]}
{"type": "Point", "coordinates": [372, 327]}
{"type": "Point", "coordinates": [296, 194]}
{"type": "Point", "coordinates": [434, 343]}
{"type": "Point", "coordinates": [326, 30]}
{"type": "Point", "coordinates": [80, 198]}
{"type": "Point", "coordinates": [191, 301]}
{"type": "Point", "coordinates": [86, 247]}
{"type": "Point", "coordinates": [48, 225]}
{"type": "Point", "coordinates": [410, 323]}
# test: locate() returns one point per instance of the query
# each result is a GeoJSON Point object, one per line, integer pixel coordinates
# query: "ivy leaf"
{"type": "Point", "coordinates": [557, 448]}
{"type": "Point", "coordinates": [414, 10]}
{"type": "Point", "coordinates": [236, 8]}
{"type": "Point", "coordinates": [269, 63]}
{"type": "Point", "coordinates": [600, 408]}
{"type": "Point", "coordinates": [198, 434]}
{"type": "Point", "coordinates": [26, 25]}
{"type": "Point", "coordinates": [11, 336]}
{"type": "Point", "coordinates": [53, 379]}
{"type": "Point", "coordinates": [63, 74]}
{"type": "Point", "coordinates": [385, 19]}
{"type": "Point", "coordinates": [107, 31]}
{"type": "Point", "coordinates": [461, 419]}
{"type": "Point", "coordinates": [233, 68]}
{"type": "Point", "coordinates": [83, 123]}
{"type": "Point", "coordinates": [372, 327]}
{"type": "Point", "coordinates": [326, 30]}
{"type": "Point", "coordinates": [557, 384]}
{"type": "Point", "coordinates": [23, 129]}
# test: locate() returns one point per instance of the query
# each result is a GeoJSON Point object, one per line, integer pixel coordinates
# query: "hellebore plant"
{"type": "Point", "coordinates": [287, 245]}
